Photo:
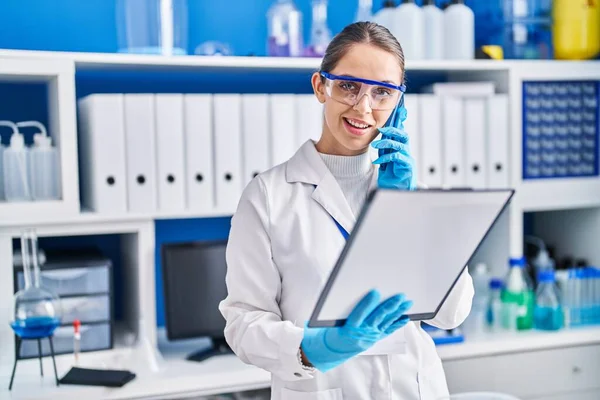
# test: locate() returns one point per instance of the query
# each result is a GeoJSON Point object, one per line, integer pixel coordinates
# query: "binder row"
{"type": "Point", "coordinates": [171, 153]}
{"type": "Point", "coordinates": [459, 141]}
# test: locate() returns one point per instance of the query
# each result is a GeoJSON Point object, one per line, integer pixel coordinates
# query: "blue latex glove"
{"type": "Point", "coordinates": [369, 322]}
{"type": "Point", "coordinates": [396, 165]}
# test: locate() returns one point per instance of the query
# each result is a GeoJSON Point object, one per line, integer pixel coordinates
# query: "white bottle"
{"type": "Point", "coordinates": [43, 164]}
{"type": "Point", "coordinates": [409, 29]}
{"type": "Point", "coordinates": [385, 16]}
{"type": "Point", "coordinates": [459, 31]}
{"type": "Point", "coordinates": [365, 11]}
{"type": "Point", "coordinates": [1, 168]}
{"type": "Point", "coordinates": [433, 19]}
{"type": "Point", "coordinates": [16, 168]}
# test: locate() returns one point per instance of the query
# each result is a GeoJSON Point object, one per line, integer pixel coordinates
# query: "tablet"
{"type": "Point", "coordinates": [412, 242]}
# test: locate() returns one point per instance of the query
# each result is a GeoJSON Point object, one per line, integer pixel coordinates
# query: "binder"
{"type": "Point", "coordinates": [102, 151]}
{"type": "Point", "coordinates": [228, 150]}
{"type": "Point", "coordinates": [170, 152]}
{"type": "Point", "coordinates": [497, 150]}
{"type": "Point", "coordinates": [309, 118]}
{"type": "Point", "coordinates": [475, 117]}
{"type": "Point", "coordinates": [453, 159]}
{"type": "Point", "coordinates": [411, 126]}
{"type": "Point", "coordinates": [431, 140]}
{"type": "Point", "coordinates": [255, 135]}
{"type": "Point", "coordinates": [283, 127]}
{"type": "Point", "coordinates": [199, 159]}
{"type": "Point", "coordinates": [140, 150]}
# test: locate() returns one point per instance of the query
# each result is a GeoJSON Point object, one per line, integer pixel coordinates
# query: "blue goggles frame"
{"type": "Point", "coordinates": [401, 88]}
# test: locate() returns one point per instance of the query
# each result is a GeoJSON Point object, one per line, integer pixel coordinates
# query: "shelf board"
{"type": "Point", "coordinates": [106, 61]}
{"type": "Point", "coordinates": [491, 344]}
{"type": "Point", "coordinates": [559, 194]}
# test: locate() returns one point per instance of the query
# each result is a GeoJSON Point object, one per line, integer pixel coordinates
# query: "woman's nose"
{"type": "Point", "coordinates": [363, 104]}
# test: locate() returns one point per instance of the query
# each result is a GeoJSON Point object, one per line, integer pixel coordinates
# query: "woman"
{"type": "Point", "coordinates": [290, 227]}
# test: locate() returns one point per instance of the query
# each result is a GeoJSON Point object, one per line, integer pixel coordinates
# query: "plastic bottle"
{"type": "Point", "coordinates": [284, 30]}
{"type": "Point", "coordinates": [2, 148]}
{"type": "Point", "coordinates": [476, 322]}
{"type": "Point", "coordinates": [459, 31]}
{"type": "Point", "coordinates": [320, 35]}
{"type": "Point", "coordinates": [517, 296]}
{"type": "Point", "coordinates": [433, 20]}
{"type": "Point", "coordinates": [494, 310]}
{"type": "Point", "coordinates": [365, 11]}
{"type": "Point", "coordinates": [575, 29]}
{"type": "Point", "coordinates": [385, 16]}
{"type": "Point", "coordinates": [548, 313]}
{"type": "Point", "coordinates": [408, 27]}
{"type": "Point", "coordinates": [527, 29]}
{"type": "Point", "coordinates": [43, 164]}
{"type": "Point", "coordinates": [16, 167]}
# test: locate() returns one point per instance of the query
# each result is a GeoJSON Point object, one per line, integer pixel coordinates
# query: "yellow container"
{"type": "Point", "coordinates": [576, 29]}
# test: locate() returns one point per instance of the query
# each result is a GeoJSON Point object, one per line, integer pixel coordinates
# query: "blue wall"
{"type": "Point", "coordinates": [90, 26]}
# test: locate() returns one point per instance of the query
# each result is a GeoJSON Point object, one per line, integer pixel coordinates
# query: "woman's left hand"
{"type": "Point", "coordinates": [396, 165]}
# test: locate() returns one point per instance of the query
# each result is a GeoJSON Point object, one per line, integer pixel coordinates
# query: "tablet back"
{"type": "Point", "coordinates": [411, 242]}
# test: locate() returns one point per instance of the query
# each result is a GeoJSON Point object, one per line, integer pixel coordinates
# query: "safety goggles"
{"type": "Point", "coordinates": [349, 90]}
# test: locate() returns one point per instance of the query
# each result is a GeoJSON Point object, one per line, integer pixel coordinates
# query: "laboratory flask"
{"type": "Point", "coordinates": [284, 30]}
{"type": "Point", "coordinates": [36, 310]}
{"type": "Point", "coordinates": [152, 26]}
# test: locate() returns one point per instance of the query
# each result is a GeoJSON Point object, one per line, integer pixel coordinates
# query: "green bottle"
{"type": "Point", "coordinates": [518, 298]}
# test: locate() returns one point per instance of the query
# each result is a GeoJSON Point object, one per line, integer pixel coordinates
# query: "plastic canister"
{"type": "Point", "coordinates": [459, 31]}
{"type": "Point", "coordinates": [433, 19]}
{"type": "Point", "coordinates": [409, 28]}
{"type": "Point", "coordinates": [576, 29]}
{"type": "Point", "coordinates": [385, 16]}
{"type": "Point", "coordinates": [16, 167]}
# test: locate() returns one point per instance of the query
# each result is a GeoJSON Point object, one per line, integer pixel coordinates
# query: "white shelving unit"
{"type": "Point", "coordinates": [562, 196]}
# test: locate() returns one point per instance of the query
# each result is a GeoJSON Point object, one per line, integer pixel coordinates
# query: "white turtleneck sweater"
{"type": "Point", "coordinates": [353, 174]}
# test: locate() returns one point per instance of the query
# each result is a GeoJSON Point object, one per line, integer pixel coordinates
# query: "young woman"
{"type": "Point", "coordinates": [290, 227]}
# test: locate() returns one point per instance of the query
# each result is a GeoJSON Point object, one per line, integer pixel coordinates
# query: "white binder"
{"type": "Point", "coordinates": [255, 135]}
{"type": "Point", "coordinates": [140, 145]}
{"type": "Point", "coordinates": [498, 132]}
{"type": "Point", "coordinates": [102, 146]}
{"type": "Point", "coordinates": [170, 152]}
{"type": "Point", "coordinates": [453, 158]}
{"type": "Point", "coordinates": [411, 126]}
{"type": "Point", "coordinates": [475, 138]}
{"type": "Point", "coordinates": [431, 140]}
{"type": "Point", "coordinates": [228, 150]}
{"type": "Point", "coordinates": [199, 172]}
{"type": "Point", "coordinates": [283, 127]}
{"type": "Point", "coordinates": [309, 118]}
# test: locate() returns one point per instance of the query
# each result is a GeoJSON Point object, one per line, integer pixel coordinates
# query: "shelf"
{"type": "Point", "coordinates": [106, 61]}
{"type": "Point", "coordinates": [507, 343]}
{"type": "Point", "coordinates": [559, 194]}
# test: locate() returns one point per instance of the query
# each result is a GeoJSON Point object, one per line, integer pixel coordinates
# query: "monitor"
{"type": "Point", "coordinates": [193, 286]}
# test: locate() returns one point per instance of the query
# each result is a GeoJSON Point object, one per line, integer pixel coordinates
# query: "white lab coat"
{"type": "Point", "coordinates": [282, 246]}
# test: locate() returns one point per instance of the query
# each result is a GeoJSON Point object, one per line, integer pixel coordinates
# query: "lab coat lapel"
{"type": "Point", "coordinates": [306, 166]}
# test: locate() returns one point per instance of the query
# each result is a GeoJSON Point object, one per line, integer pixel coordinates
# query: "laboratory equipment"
{"type": "Point", "coordinates": [194, 280]}
{"type": "Point", "coordinates": [517, 297]}
{"type": "Point", "coordinates": [213, 48]}
{"type": "Point", "coordinates": [433, 20]}
{"type": "Point", "coordinates": [152, 26]}
{"type": "Point", "coordinates": [575, 29]}
{"type": "Point", "coordinates": [408, 27]}
{"type": "Point", "coordinates": [582, 297]}
{"type": "Point", "coordinates": [36, 310]}
{"type": "Point", "coordinates": [17, 185]}
{"type": "Point", "coordinates": [494, 308]}
{"type": "Point", "coordinates": [76, 340]}
{"type": "Point", "coordinates": [385, 16]}
{"type": "Point", "coordinates": [2, 148]}
{"type": "Point", "coordinates": [477, 320]}
{"type": "Point", "coordinates": [548, 314]}
{"type": "Point", "coordinates": [43, 164]}
{"type": "Point", "coordinates": [285, 37]}
{"type": "Point", "coordinates": [527, 29]}
{"type": "Point", "coordinates": [320, 35]}
{"type": "Point", "coordinates": [560, 129]}
{"type": "Point", "coordinates": [365, 11]}
{"type": "Point", "coordinates": [459, 31]}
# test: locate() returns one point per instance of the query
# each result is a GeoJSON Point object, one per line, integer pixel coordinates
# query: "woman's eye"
{"type": "Point", "coordinates": [347, 86]}
{"type": "Point", "coordinates": [382, 91]}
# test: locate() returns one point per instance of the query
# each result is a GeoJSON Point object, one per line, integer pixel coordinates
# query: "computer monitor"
{"type": "Point", "coordinates": [194, 285]}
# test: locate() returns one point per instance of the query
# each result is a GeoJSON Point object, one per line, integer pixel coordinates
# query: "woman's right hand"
{"type": "Point", "coordinates": [369, 322]}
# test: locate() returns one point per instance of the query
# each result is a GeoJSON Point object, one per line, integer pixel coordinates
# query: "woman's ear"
{"type": "Point", "coordinates": [318, 87]}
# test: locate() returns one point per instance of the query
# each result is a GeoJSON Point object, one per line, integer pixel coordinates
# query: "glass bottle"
{"type": "Point", "coordinates": [320, 35]}
{"type": "Point", "coordinates": [548, 313]}
{"type": "Point", "coordinates": [284, 30]}
{"type": "Point", "coordinates": [36, 310]}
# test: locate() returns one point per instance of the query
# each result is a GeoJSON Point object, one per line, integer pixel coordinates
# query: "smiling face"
{"type": "Point", "coordinates": [348, 130]}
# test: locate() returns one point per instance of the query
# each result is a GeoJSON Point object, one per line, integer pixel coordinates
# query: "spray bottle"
{"type": "Point", "coordinates": [43, 164]}
{"type": "Point", "coordinates": [16, 167]}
